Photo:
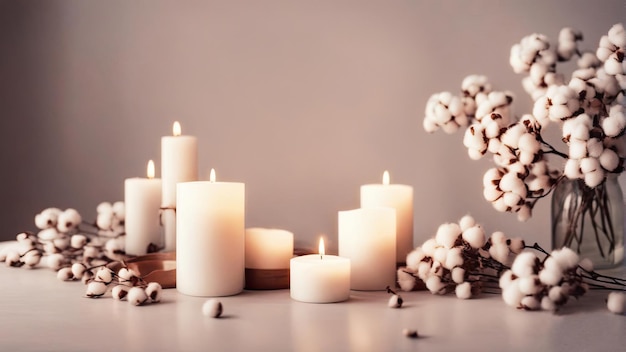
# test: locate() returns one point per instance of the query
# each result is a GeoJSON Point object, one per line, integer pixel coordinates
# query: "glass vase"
{"type": "Point", "coordinates": [589, 220]}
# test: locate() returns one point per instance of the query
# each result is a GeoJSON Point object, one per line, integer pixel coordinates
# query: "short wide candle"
{"type": "Point", "coordinates": [368, 238]}
{"type": "Point", "coordinates": [320, 278]}
{"type": "Point", "coordinates": [268, 248]}
{"type": "Point", "coordinates": [210, 238]}
{"type": "Point", "coordinates": [142, 198]}
{"type": "Point", "coordinates": [399, 197]}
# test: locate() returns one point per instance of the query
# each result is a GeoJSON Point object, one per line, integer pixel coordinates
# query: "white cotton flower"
{"type": "Point", "coordinates": [62, 242]}
{"type": "Point", "coordinates": [511, 295]}
{"type": "Point", "coordinates": [463, 291]}
{"type": "Point", "coordinates": [78, 241]}
{"type": "Point", "coordinates": [48, 234]}
{"type": "Point", "coordinates": [65, 274]}
{"type": "Point", "coordinates": [474, 236]}
{"type": "Point", "coordinates": [454, 258]}
{"type": "Point", "coordinates": [516, 245]}
{"type": "Point", "coordinates": [104, 220]}
{"type": "Point", "coordinates": [137, 296]}
{"type": "Point", "coordinates": [458, 275]}
{"type": "Point", "coordinates": [414, 258]}
{"type": "Point", "coordinates": [474, 138]}
{"type": "Point", "coordinates": [154, 292]}
{"type": "Point", "coordinates": [47, 218]}
{"type": "Point", "coordinates": [499, 252]}
{"type": "Point", "coordinates": [119, 210]}
{"type": "Point", "coordinates": [537, 73]}
{"type": "Point", "coordinates": [530, 285]}
{"type": "Point", "coordinates": [474, 84]}
{"type": "Point", "coordinates": [550, 276]}
{"type": "Point", "coordinates": [577, 149]}
{"type": "Point", "coordinates": [512, 200]}
{"type": "Point", "coordinates": [572, 169]}
{"type": "Point", "coordinates": [586, 264]}
{"type": "Point", "coordinates": [524, 264]}
{"type": "Point", "coordinates": [68, 220]}
{"type": "Point", "coordinates": [594, 178]}
{"type": "Point", "coordinates": [447, 234]}
{"type": "Point", "coordinates": [423, 270]}
{"type": "Point", "coordinates": [615, 123]}
{"type": "Point", "coordinates": [495, 103]}
{"type": "Point", "coordinates": [120, 292]}
{"type": "Point", "coordinates": [55, 261]}
{"type": "Point", "coordinates": [104, 207]}
{"type": "Point", "coordinates": [429, 246]}
{"type": "Point", "coordinates": [510, 182]}
{"type": "Point", "coordinates": [547, 304]}
{"type": "Point", "coordinates": [565, 257]}
{"type": "Point", "coordinates": [558, 295]}
{"type": "Point", "coordinates": [617, 35]}
{"type": "Point", "coordinates": [498, 237]}
{"type": "Point", "coordinates": [31, 258]}
{"type": "Point", "coordinates": [441, 254]}
{"type": "Point", "coordinates": [499, 205]}
{"type": "Point", "coordinates": [466, 222]}
{"type": "Point", "coordinates": [104, 275]}
{"type": "Point", "coordinates": [588, 59]}
{"type": "Point", "coordinates": [434, 285]}
{"type": "Point", "coordinates": [505, 279]}
{"type": "Point", "coordinates": [95, 289]}
{"type": "Point", "coordinates": [492, 177]}
{"type": "Point", "coordinates": [405, 280]}
{"type": "Point", "coordinates": [609, 159]}
{"type": "Point", "coordinates": [616, 302]}
{"type": "Point", "coordinates": [446, 111]}
{"type": "Point", "coordinates": [492, 193]}
{"type": "Point", "coordinates": [78, 270]}
{"type": "Point", "coordinates": [589, 165]}
{"type": "Point", "coordinates": [615, 64]}
{"type": "Point", "coordinates": [530, 303]}
{"type": "Point", "coordinates": [90, 252]}
{"type": "Point", "coordinates": [595, 147]}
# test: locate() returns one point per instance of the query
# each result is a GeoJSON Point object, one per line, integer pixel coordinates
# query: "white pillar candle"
{"type": "Point", "coordinates": [320, 278]}
{"type": "Point", "coordinates": [399, 197]}
{"type": "Point", "coordinates": [368, 238]}
{"type": "Point", "coordinates": [142, 199]}
{"type": "Point", "coordinates": [179, 163]}
{"type": "Point", "coordinates": [268, 248]}
{"type": "Point", "coordinates": [210, 238]}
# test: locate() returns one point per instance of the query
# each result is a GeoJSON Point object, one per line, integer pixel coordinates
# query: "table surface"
{"type": "Point", "coordinates": [39, 312]}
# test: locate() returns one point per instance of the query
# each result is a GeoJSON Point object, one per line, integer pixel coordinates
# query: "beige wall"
{"type": "Point", "coordinates": [302, 101]}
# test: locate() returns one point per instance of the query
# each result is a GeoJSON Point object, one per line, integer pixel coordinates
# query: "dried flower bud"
{"type": "Point", "coordinates": [212, 308]}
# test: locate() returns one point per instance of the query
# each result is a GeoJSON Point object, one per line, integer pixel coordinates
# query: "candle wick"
{"type": "Point", "coordinates": [321, 256]}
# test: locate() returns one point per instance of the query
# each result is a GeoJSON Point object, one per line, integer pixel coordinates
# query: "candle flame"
{"type": "Point", "coordinates": [321, 248]}
{"type": "Point", "coordinates": [386, 177]}
{"type": "Point", "coordinates": [176, 130]}
{"type": "Point", "coordinates": [212, 175]}
{"type": "Point", "coordinates": [150, 170]}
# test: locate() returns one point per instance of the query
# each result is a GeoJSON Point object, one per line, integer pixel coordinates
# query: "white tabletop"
{"type": "Point", "coordinates": [39, 312]}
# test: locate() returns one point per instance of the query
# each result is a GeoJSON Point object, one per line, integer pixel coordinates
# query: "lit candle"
{"type": "Point", "coordinates": [320, 278]}
{"type": "Point", "coordinates": [268, 252]}
{"type": "Point", "coordinates": [142, 197]}
{"type": "Point", "coordinates": [179, 163]}
{"type": "Point", "coordinates": [400, 198]}
{"type": "Point", "coordinates": [210, 238]}
{"type": "Point", "coordinates": [368, 238]}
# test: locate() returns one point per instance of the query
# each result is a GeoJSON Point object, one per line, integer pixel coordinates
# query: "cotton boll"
{"type": "Point", "coordinates": [423, 270]}
{"type": "Point", "coordinates": [594, 178]}
{"type": "Point", "coordinates": [505, 279]}
{"type": "Point", "coordinates": [511, 295]}
{"type": "Point", "coordinates": [524, 264]}
{"type": "Point", "coordinates": [587, 60]}
{"type": "Point", "coordinates": [104, 220]}
{"type": "Point", "coordinates": [512, 135]}
{"type": "Point", "coordinates": [499, 205]}
{"type": "Point", "coordinates": [405, 280]}
{"type": "Point", "coordinates": [595, 147]}
{"type": "Point", "coordinates": [499, 252]}
{"type": "Point", "coordinates": [414, 258]}
{"type": "Point", "coordinates": [47, 218]}
{"type": "Point", "coordinates": [586, 264]}
{"type": "Point", "coordinates": [498, 237]}
{"type": "Point", "coordinates": [96, 289]}
{"type": "Point", "coordinates": [429, 125]}
{"type": "Point", "coordinates": [441, 254]}
{"type": "Point", "coordinates": [450, 127]}
{"type": "Point", "coordinates": [609, 160]}
{"type": "Point", "coordinates": [547, 304]}
{"type": "Point", "coordinates": [530, 285]}
{"type": "Point", "coordinates": [550, 276]}
{"type": "Point", "coordinates": [466, 222]}
{"type": "Point", "coordinates": [491, 193]}
{"type": "Point", "coordinates": [615, 123]}
{"type": "Point", "coordinates": [447, 234]}
{"type": "Point", "coordinates": [474, 236]}
{"type": "Point", "coordinates": [572, 169]}
{"type": "Point", "coordinates": [589, 165]}
{"type": "Point", "coordinates": [577, 149]}
{"type": "Point", "coordinates": [475, 154]}
{"type": "Point", "coordinates": [454, 258]}
{"type": "Point", "coordinates": [512, 200]}
{"type": "Point", "coordinates": [516, 245]}
{"type": "Point", "coordinates": [616, 302]}
{"type": "Point", "coordinates": [68, 220]}
{"type": "Point", "coordinates": [119, 210]}
{"type": "Point", "coordinates": [565, 257]}
{"type": "Point", "coordinates": [104, 207]}
{"type": "Point", "coordinates": [137, 296]}
{"type": "Point", "coordinates": [434, 285]}
{"type": "Point", "coordinates": [557, 295]}
{"type": "Point", "coordinates": [530, 303]}
{"type": "Point", "coordinates": [458, 275]}
{"type": "Point", "coordinates": [463, 291]}
{"type": "Point", "coordinates": [614, 66]}
{"type": "Point", "coordinates": [537, 72]}
{"type": "Point", "coordinates": [524, 213]}
{"type": "Point", "coordinates": [617, 35]}
{"type": "Point", "coordinates": [559, 113]}
{"type": "Point", "coordinates": [429, 247]}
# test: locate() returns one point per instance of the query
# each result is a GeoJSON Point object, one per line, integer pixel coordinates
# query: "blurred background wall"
{"type": "Point", "coordinates": [304, 101]}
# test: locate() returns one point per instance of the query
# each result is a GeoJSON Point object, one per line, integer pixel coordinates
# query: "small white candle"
{"type": "Point", "coordinates": [320, 278]}
{"type": "Point", "coordinates": [142, 198]}
{"type": "Point", "coordinates": [268, 248]}
{"type": "Point", "coordinates": [368, 238]}
{"type": "Point", "coordinates": [400, 198]}
{"type": "Point", "coordinates": [179, 163]}
{"type": "Point", "coordinates": [210, 238]}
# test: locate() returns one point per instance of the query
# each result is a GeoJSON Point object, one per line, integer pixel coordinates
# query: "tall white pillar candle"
{"type": "Point", "coordinates": [142, 199]}
{"type": "Point", "coordinates": [368, 238]}
{"type": "Point", "coordinates": [268, 248]}
{"type": "Point", "coordinates": [320, 278]}
{"type": "Point", "coordinates": [179, 163]}
{"type": "Point", "coordinates": [210, 238]}
{"type": "Point", "coordinates": [399, 197]}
